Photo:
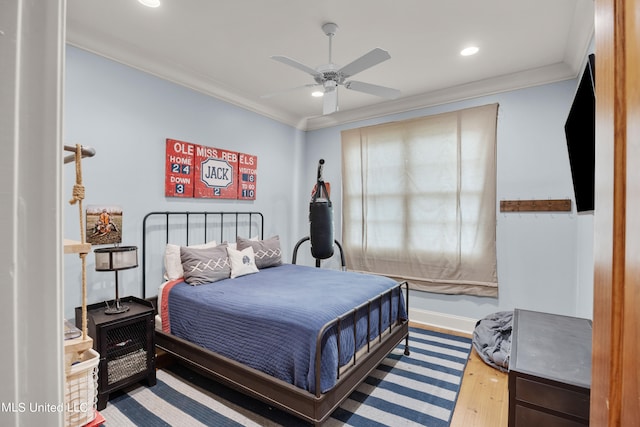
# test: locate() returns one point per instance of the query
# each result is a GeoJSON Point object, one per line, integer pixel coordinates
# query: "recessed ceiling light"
{"type": "Point", "coordinates": [150, 3]}
{"type": "Point", "coordinates": [467, 51]}
{"type": "Point", "coordinates": [317, 93]}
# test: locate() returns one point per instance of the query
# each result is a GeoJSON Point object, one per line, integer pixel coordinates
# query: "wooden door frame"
{"type": "Point", "coordinates": [615, 396]}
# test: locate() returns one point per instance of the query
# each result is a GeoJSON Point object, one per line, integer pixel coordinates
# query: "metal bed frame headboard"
{"type": "Point", "coordinates": [217, 219]}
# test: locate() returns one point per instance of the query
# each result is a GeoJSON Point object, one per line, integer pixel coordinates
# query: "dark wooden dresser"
{"type": "Point", "coordinates": [549, 370]}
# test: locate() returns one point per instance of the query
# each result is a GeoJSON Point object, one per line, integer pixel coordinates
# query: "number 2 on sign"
{"type": "Point", "coordinates": [177, 168]}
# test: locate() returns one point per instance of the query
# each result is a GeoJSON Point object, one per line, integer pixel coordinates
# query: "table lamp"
{"type": "Point", "coordinates": [116, 258]}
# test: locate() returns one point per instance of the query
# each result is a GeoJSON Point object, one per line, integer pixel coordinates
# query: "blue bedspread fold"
{"type": "Point", "coordinates": [270, 320]}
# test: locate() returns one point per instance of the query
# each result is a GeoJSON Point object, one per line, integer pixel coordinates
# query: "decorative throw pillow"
{"type": "Point", "coordinates": [172, 261]}
{"type": "Point", "coordinates": [234, 245]}
{"type": "Point", "coordinates": [267, 252]}
{"type": "Point", "coordinates": [205, 265]}
{"type": "Point", "coordinates": [242, 262]}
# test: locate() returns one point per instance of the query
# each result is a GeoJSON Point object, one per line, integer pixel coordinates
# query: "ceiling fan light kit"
{"type": "Point", "coordinates": [330, 76]}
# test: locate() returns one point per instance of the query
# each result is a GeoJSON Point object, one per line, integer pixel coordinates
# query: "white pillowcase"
{"type": "Point", "coordinates": [173, 263]}
{"type": "Point", "coordinates": [242, 262]}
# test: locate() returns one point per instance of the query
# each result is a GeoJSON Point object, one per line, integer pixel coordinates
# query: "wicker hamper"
{"type": "Point", "coordinates": [81, 394]}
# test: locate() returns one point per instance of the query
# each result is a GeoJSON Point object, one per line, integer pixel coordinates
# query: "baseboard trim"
{"type": "Point", "coordinates": [442, 320]}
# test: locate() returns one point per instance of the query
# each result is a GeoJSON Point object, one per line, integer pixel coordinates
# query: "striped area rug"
{"type": "Point", "coordinates": [416, 390]}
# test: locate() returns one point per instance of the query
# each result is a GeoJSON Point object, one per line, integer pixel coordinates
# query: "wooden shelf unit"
{"type": "Point", "coordinates": [74, 348]}
{"type": "Point", "coordinates": [76, 247]}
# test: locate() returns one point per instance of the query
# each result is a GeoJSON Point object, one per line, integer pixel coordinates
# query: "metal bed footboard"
{"type": "Point", "coordinates": [353, 313]}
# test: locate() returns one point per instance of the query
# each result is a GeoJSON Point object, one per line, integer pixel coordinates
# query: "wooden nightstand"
{"type": "Point", "coordinates": [125, 342]}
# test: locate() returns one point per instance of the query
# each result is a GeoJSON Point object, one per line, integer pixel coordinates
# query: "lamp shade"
{"type": "Point", "coordinates": [116, 258]}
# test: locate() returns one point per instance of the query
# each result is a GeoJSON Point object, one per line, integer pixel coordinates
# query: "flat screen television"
{"type": "Point", "coordinates": [580, 131]}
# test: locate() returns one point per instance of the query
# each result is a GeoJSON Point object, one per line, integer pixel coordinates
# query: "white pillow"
{"type": "Point", "coordinates": [242, 262]}
{"type": "Point", "coordinates": [173, 263]}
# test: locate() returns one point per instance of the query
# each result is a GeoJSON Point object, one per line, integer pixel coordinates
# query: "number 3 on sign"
{"type": "Point", "coordinates": [179, 189]}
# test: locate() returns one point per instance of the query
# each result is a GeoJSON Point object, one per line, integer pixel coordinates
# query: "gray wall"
{"type": "Point", "coordinates": [543, 259]}
{"type": "Point", "coordinates": [126, 115]}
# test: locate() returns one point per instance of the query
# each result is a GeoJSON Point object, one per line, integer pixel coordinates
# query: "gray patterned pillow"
{"type": "Point", "coordinates": [205, 265]}
{"type": "Point", "coordinates": [267, 252]}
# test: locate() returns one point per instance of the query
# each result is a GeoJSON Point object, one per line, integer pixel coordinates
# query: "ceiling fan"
{"type": "Point", "coordinates": [330, 76]}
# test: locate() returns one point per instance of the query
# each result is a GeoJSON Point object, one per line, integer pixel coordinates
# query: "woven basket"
{"type": "Point", "coordinates": [81, 390]}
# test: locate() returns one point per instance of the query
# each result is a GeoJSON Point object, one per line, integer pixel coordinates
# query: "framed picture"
{"type": "Point", "coordinates": [104, 224]}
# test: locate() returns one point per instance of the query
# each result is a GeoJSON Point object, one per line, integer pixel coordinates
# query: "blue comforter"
{"type": "Point", "coordinates": [269, 320]}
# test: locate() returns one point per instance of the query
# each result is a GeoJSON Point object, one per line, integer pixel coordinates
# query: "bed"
{"type": "Point", "coordinates": [323, 354]}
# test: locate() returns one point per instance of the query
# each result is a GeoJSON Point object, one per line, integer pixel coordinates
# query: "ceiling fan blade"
{"type": "Point", "coordinates": [367, 60]}
{"type": "Point", "coordinates": [330, 100]}
{"type": "Point", "coordinates": [295, 64]}
{"type": "Point", "coordinates": [283, 91]}
{"type": "Point", "coordinates": [381, 91]}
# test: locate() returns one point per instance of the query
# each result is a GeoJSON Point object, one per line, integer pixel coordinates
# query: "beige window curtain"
{"type": "Point", "coordinates": [419, 201]}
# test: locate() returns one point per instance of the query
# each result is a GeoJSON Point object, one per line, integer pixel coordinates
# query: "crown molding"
{"type": "Point", "coordinates": [529, 78]}
{"type": "Point", "coordinates": [136, 58]}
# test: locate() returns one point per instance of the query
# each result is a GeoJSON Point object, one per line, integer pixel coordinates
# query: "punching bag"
{"type": "Point", "coordinates": [321, 219]}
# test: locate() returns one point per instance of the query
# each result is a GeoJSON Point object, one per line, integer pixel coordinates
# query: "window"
{"type": "Point", "coordinates": [419, 200]}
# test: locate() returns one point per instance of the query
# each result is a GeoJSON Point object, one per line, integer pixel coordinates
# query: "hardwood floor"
{"type": "Point", "coordinates": [484, 396]}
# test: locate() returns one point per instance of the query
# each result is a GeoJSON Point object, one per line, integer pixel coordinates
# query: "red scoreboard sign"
{"type": "Point", "coordinates": [247, 167]}
{"type": "Point", "coordinates": [215, 173]}
{"type": "Point", "coordinates": [205, 172]}
{"type": "Point", "coordinates": [179, 169]}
